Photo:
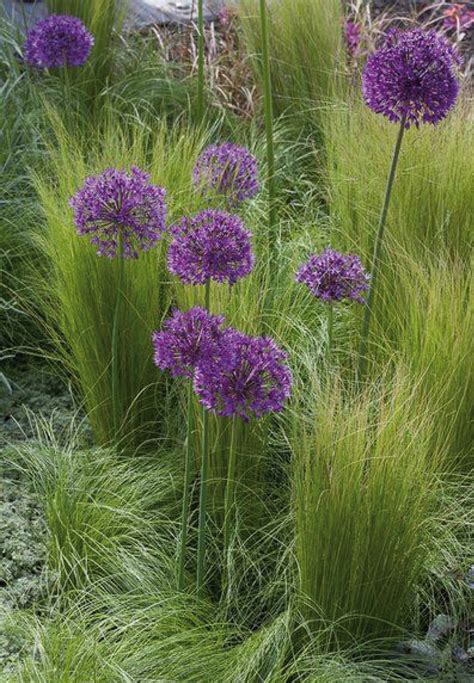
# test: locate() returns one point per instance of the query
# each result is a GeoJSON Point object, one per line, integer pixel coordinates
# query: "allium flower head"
{"type": "Point", "coordinates": [188, 339]}
{"type": "Point", "coordinates": [213, 245]}
{"type": "Point", "coordinates": [228, 170]}
{"type": "Point", "coordinates": [116, 207]}
{"type": "Point", "coordinates": [332, 276]}
{"type": "Point", "coordinates": [59, 40]}
{"type": "Point", "coordinates": [414, 75]}
{"type": "Point", "coordinates": [253, 380]}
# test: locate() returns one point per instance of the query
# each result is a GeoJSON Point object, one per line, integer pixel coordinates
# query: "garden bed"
{"type": "Point", "coordinates": [236, 438]}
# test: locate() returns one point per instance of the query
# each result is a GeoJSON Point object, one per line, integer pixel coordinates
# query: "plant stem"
{"type": "Point", "coordinates": [188, 475]}
{"type": "Point", "coordinates": [67, 91]}
{"type": "Point", "coordinates": [268, 105]}
{"type": "Point", "coordinates": [377, 256]}
{"type": "Point", "coordinates": [201, 551]}
{"type": "Point", "coordinates": [116, 402]}
{"type": "Point", "coordinates": [230, 489]}
{"type": "Point", "coordinates": [330, 333]}
{"type": "Point", "coordinates": [200, 91]}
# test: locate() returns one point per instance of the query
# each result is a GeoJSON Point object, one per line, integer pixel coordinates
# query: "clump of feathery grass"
{"type": "Point", "coordinates": [365, 491]}
{"type": "Point", "coordinates": [113, 609]}
{"type": "Point", "coordinates": [431, 205]}
{"type": "Point", "coordinates": [305, 51]}
{"type": "Point", "coordinates": [80, 288]}
{"type": "Point", "coordinates": [427, 248]}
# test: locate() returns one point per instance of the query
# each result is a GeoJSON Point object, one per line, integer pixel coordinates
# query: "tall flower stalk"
{"type": "Point", "coordinates": [251, 380]}
{"type": "Point", "coordinates": [376, 260]}
{"type": "Point", "coordinates": [330, 334]}
{"type": "Point", "coordinates": [115, 368]}
{"type": "Point", "coordinates": [230, 488]}
{"type": "Point", "coordinates": [187, 340]}
{"type": "Point", "coordinates": [410, 79]}
{"type": "Point", "coordinates": [211, 246]}
{"type": "Point", "coordinates": [188, 479]}
{"type": "Point", "coordinates": [203, 484]}
{"type": "Point", "coordinates": [201, 61]}
{"type": "Point", "coordinates": [268, 106]}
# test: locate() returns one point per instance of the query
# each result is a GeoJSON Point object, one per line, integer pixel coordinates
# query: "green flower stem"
{"type": "Point", "coordinates": [230, 489]}
{"type": "Point", "coordinates": [200, 91]}
{"type": "Point", "coordinates": [115, 365]}
{"type": "Point", "coordinates": [188, 476]}
{"type": "Point", "coordinates": [330, 333]}
{"type": "Point", "coordinates": [268, 105]}
{"type": "Point", "coordinates": [67, 88]}
{"type": "Point", "coordinates": [377, 256]}
{"type": "Point", "coordinates": [201, 550]}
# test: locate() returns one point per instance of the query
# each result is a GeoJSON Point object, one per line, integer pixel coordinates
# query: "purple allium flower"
{"type": "Point", "coordinates": [187, 340]}
{"type": "Point", "coordinates": [228, 170]}
{"type": "Point", "coordinates": [116, 206]}
{"type": "Point", "coordinates": [413, 74]}
{"type": "Point", "coordinates": [58, 40]}
{"type": "Point", "coordinates": [332, 276]}
{"type": "Point", "coordinates": [213, 245]}
{"type": "Point", "coordinates": [253, 380]}
{"type": "Point", "coordinates": [352, 36]}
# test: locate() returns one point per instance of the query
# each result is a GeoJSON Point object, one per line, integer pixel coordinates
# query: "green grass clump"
{"type": "Point", "coordinates": [365, 496]}
{"type": "Point", "coordinates": [432, 332]}
{"type": "Point", "coordinates": [432, 202]}
{"type": "Point", "coordinates": [100, 513]}
{"type": "Point", "coordinates": [112, 612]}
{"type": "Point", "coordinates": [423, 308]}
{"type": "Point", "coordinates": [305, 52]}
{"type": "Point", "coordinates": [80, 288]}
{"type": "Point", "coordinates": [21, 148]}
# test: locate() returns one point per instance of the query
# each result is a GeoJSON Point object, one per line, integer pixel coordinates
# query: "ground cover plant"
{"type": "Point", "coordinates": [237, 381]}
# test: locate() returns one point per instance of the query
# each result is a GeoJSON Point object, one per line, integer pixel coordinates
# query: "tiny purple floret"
{"type": "Point", "coordinates": [252, 380]}
{"type": "Point", "coordinates": [119, 208]}
{"type": "Point", "coordinates": [228, 170]}
{"type": "Point", "coordinates": [412, 75]}
{"type": "Point", "coordinates": [352, 32]}
{"type": "Point", "coordinates": [57, 41]}
{"type": "Point", "coordinates": [333, 277]}
{"type": "Point", "coordinates": [213, 245]}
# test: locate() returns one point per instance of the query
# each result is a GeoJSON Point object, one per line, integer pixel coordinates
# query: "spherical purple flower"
{"type": "Point", "coordinates": [332, 276]}
{"type": "Point", "coordinates": [187, 340]}
{"type": "Point", "coordinates": [254, 379]}
{"type": "Point", "coordinates": [120, 209]}
{"type": "Point", "coordinates": [58, 40]}
{"type": "Point", "coordinates": [213, 245]}
{"type": "Point", "coordinates": [412, 75]}
{"type": "Point", "coordinates": [228, 170]}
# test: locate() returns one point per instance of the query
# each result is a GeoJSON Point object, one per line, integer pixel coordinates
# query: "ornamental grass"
{"type": "Point", "coordinates": [264, 470]}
